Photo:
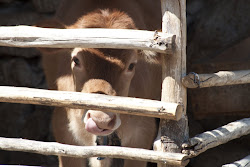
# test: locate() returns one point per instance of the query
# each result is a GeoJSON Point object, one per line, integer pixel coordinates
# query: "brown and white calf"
{"type": "Point", "coordinates": [115, 72]}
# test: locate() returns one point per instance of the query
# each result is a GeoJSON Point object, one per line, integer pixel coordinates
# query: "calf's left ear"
{"type": "Point", "coordinates": [150, 56]}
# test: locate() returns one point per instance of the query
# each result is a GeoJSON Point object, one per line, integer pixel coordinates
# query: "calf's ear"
{"type": "Point", "coordinates": [150, 56]}
{"type": "Point", "coordinates": [51, 23]}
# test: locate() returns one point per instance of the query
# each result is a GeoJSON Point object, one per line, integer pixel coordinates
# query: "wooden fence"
{"type": "Point", "coordinates": [27, 36]}
{"type": "Point", "coordinates": [171, 110]}
{"type": "Point", "coordinates": [123, 105]}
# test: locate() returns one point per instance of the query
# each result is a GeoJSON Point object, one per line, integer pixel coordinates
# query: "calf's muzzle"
{"type": "Point", "coordinates": [99, 122]}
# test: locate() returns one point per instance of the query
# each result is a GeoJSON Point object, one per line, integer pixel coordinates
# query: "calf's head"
{"type": "Point", "coordinates": [103, 71]}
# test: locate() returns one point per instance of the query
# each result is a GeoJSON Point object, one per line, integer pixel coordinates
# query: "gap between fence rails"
{"type": "Point", "coordinates": [28, 36]}
{"type": "Point", "coordinates": [123, 105]}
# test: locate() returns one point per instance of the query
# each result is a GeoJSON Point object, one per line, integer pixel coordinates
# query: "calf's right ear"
{"type": "Point", "coordinates": [50, 23]}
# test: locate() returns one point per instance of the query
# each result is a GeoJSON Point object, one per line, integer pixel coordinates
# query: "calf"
{"type": "Point", "coordinates": [114, 72]}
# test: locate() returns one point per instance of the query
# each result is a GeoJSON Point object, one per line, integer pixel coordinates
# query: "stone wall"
{"type": "Point", "coordinates": [218, 39]}
{"type": "Point", "coordinates": [22, 67]}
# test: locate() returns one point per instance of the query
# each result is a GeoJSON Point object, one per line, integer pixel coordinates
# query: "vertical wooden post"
{"type": "Point", "coordinates": [172, 134]}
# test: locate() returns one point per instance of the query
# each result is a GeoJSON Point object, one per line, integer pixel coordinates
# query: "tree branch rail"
{"type": "Point", "coordinates": [123, 105]}
{"type": "Point", "coordinates": [53, 148]}
{"type": "Point", "coordinates": [28, 36]}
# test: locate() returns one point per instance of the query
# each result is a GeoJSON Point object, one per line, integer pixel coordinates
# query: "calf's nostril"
{"type": "Point", "coordinates": [111, 123]}
{"type": "Point", "coordinates": [104, 122]}
{"type": "Point", "coordinates": [86, 116]}
{"type": "Point", "coordinates": [100, 92]}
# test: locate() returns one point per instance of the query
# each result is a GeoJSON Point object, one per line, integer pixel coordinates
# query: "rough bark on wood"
{"type": "Point", "coordinates": [221, 78]}
{"type": "Point", "coordinates": [124, 105]}
{"type": "Point", "coordinates": [210, 139]}
{"type": "Point", "coordinates": [52, 148]}
{"type": "Point", "coordinates": [172, 134]}
{"type": "Point", "coordinates": [245, 162]}
{"type": "Point", "coordinates": [27, 36]}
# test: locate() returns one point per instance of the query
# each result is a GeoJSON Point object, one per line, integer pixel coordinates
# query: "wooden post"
{"type": "Point", "coordinates": [172, 134]}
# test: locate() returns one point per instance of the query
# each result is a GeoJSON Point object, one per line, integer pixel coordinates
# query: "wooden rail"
{"type": "Point", "coordinates": [52, 148]}
{"type": "Point", "coordinates": [28, 36]}
{"type": "Point", "coordinates": [221, 78]}
{"type": "Point", "coordinates": [124, 105]}
{"type": "Point", "coordinates": [210, 139]}
{"type": "Point", "coordinates": [245, 162]}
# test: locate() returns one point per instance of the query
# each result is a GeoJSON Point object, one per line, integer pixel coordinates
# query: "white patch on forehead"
{"type": "Point", "coordinates": [75, 51]}
{"type": "Point", "coordinates": [105, 13]}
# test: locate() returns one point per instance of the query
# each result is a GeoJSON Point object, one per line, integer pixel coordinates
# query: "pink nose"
{"type": "Point", "coordinates": [100, 123]}
{"type": "Point", "coordinates": [104, 120]}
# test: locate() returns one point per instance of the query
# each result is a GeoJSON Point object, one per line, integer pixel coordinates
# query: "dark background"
{"type": "Point", "coordinates": [218, 39]}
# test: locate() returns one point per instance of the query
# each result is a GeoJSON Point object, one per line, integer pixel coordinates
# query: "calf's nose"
{"type": "Point", "coordinates": [104, 120]}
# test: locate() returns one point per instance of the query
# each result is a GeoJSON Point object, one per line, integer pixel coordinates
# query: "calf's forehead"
{"type": "Point", "coordinates": [106, 64]}
{"type": "Point", "coordinates": [118, 57]}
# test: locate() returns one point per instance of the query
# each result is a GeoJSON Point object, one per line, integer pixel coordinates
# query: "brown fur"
{"type": "Point", "coordinates": [114, 19]}
{"type": "Point", "coordinates": [105, 71]}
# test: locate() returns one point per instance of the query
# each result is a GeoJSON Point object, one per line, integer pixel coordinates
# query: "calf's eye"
{"type": "Point", "coordinates": [131, 67]}
{"type": "Point", "coordinates": [76, 61]}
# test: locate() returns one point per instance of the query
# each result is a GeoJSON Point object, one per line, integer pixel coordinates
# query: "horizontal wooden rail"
{"type": "Point", "coordinates": [210, 139]}
{"type": "Point", "coordinates": [28, 36]}
{"type": "Point", "coordinates": [245, 162]}
{"type": "Point", "coordinates": [221, 78]}
{"type": "Point", "coordinates": [124, 105]}
{"type": "Point", "coordinates": [52, 148]}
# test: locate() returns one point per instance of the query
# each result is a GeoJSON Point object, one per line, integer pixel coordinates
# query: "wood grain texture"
{"type": "Point", "coordinates": [53, 148]}
{"type": "Point", "coordinates": [172, 134]}
{"type": "Point", "coordinates": [221, 78]}
{"type": "Point", "coordinates": [28, 36]}
{"type": "Point", "coordinates": [210, 139]}
{"type": "Point", "coordinates": [123, 105]}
